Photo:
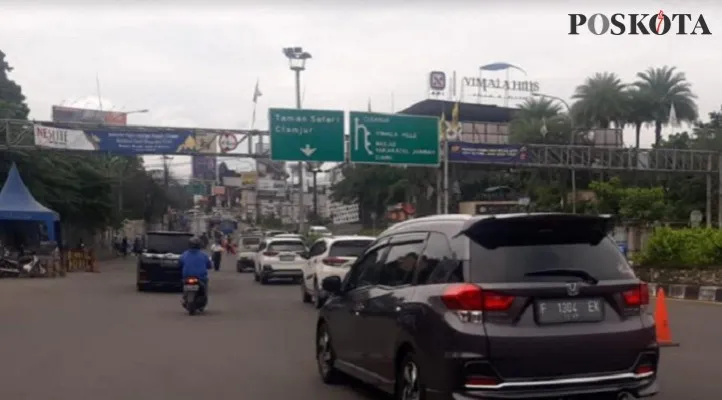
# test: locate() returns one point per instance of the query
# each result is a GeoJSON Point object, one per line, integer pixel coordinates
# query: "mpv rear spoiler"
{"type": "Point", "coordinates": [489, 230]}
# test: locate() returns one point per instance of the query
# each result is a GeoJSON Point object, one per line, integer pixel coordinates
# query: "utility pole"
{"type": "Point", "coordinates": [297, 62]}
{"type": "Point", "coordinates": [301, 214]}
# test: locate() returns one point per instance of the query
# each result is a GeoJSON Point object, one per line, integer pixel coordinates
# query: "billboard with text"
{"type": "Point", "coordinates": [64, 114]}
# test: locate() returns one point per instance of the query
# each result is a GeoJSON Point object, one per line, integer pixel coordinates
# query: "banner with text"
{"type": "Point", "coordinates": [151, 142]}
{"type": "Point", "coordinates": [463, 152]}
{"type": "Point", "coordinates": [61, 139]}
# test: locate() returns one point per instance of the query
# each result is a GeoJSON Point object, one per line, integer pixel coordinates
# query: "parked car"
{"type": "Point", "coordinates": [510, 306]}
{"type": "Point", "coordinates": [247, 249]}
{"type": "Point", "coordinates": [158, 264]}
{"type": "Point", "coordinates": [329, 256]}
{"type": "Point", "coordinates": [280, 257]}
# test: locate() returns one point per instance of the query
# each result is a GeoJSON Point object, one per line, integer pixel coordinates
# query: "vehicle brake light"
{"type": "Point", "coordinates": [644, 369]}
{"type": "Point", "coordinates": [468, 297]}
{"type": "Point", "coordinates": [638, 296]}
{"type": "Point", "coordinates": [333, 261]}
{"type": "Point", "coordinates": [479, 381]}
{"type": "Point", "coordinates": [191, 280]}
{"type": "Point", "coordinates": [270, 253]}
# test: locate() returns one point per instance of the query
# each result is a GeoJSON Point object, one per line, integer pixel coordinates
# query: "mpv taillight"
{"type": "Point", "coordinates": [637, 297]}
{"type": "Point", "coordinates": [270, 253]}
{"type": "Point", "coordinates": [469, 301]}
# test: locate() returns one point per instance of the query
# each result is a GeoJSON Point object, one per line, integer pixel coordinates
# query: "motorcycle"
{"type": "Point", "coordinates": [23, 266]}
{"type": "Point", "coordinates": [195, 296]}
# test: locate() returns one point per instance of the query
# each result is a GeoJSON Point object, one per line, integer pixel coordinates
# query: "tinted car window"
{"type": "Point", "coordinates": [365, 273]}
{"type": "Point", "coordinates": [436, 264]}
{"type": "Point", "coordinates": [317, 249]}
{"type": "Point", "coordinates": [286, 245]}
{"type": "Point", "coordinates": [159, 243]}
{"type": "Point", "coordinates": [510, 263]}
{"type": "Point", "coordinates": [398, 269]}
{"type": "Point", "coordinates": [348, 248]}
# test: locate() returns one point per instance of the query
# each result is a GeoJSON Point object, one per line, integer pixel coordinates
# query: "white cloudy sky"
{"type": "Point", "coordinates": [196, 65]}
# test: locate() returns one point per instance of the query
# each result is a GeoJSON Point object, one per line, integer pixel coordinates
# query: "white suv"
{"type": "Point", "coordinates": [329, 256]}
{"type": "Point", "coordinates": [279, 257]}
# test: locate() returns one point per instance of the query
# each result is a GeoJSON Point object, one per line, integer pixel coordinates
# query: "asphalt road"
{"type": "Point", "coordinates": [92, 336]}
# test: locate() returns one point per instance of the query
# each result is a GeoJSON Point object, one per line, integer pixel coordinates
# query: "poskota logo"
{"type": "Point", "coordinates": [640, 24]}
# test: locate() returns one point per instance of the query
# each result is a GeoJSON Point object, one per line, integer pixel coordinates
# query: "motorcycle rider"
{"type": "Point", "coordinates": [196, 263]}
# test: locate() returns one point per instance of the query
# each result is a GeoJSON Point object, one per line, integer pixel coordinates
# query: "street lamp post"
{"type": "Point", "coordinates": [571, 141]}
{"type": "Point", "coordinates": [297, 62]}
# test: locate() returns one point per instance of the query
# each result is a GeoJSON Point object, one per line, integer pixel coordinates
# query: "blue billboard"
{"type": "Point", "coordinates": [151, 142]}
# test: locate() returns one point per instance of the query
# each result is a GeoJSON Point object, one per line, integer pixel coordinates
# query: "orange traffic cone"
{"type": "Point", "coordinates": [661, 319]}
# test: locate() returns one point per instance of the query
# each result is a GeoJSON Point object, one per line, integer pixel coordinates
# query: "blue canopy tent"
{"type": "Point", "coordinates": [18, 204]}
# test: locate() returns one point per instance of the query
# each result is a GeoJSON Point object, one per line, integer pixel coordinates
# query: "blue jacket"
{"type": "Point", "coordinates": [195, 263]}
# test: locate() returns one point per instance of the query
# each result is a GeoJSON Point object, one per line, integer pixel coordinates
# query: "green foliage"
{"type": "Point", "coordinates": [629, 203]}
{"type": "Point", "coordinates": [682, 248]}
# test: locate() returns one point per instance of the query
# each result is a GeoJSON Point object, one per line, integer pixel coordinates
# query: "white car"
{"type": "Point", "coordinates": [247, 249]}
{"type": "Point", "coordinates": [319, 231]}
{"type": "Point", "coordinates": [329, 256]}
{"type": "Point", "coordinates": [280, 257]}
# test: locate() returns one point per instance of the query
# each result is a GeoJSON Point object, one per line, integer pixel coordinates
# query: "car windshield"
{"type": "Point", "coordinates": [535, 261]}
{"type": "Point", "coordinates": [287, 245]}
{"type": "Point", "coordinates": [165, 243]}
{"type": "Point", "coordinates": [348, 248]}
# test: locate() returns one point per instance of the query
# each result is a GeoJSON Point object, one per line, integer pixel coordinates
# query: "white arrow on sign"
{"type": "Point", "coordinates": [308, 151]}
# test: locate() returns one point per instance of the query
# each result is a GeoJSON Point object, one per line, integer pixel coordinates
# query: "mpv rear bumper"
{"type": "Point", "coordinates": [637, 386]}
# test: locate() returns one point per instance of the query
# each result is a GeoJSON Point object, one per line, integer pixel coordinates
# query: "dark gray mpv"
{"type": "Point", "coordinates": [516, 306]}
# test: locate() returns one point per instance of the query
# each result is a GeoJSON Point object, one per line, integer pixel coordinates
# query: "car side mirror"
{"type": "Point", "coordinates": [331, 284]}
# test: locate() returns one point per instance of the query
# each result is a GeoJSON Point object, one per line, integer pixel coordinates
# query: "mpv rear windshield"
{"type": "Point", "coordinates": [160, 243]}
{"type": "Point", "coordinates": [286, 245]}
{"type": "Point", "coordinates": [508, 252]}
{"type": "Point", "coordinates": [348, 248]}
{"type": "Point", "coordinates": [510, 264]}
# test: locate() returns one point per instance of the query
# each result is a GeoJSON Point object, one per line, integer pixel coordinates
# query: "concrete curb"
{"type": "Point", "coordinates": [688, 292]}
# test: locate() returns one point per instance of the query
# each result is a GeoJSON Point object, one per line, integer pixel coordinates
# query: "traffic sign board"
{"type": "Point", "coordinates": [306, 135]}
{"type": "Point", "coordinates": [394, 139]}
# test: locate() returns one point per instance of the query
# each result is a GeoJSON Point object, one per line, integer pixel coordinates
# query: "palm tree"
{"type": "Point", "coordinates": [639, 110]}
{"type": "Point", "coordinates": [536, 113]}
{"type": "Point", "coordinates": [666, 87]}
{"type": "Point", "coordinates": [600, 101]}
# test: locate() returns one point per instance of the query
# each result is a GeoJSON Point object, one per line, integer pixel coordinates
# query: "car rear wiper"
{"type": "Point", "coordinates": [578, 273]}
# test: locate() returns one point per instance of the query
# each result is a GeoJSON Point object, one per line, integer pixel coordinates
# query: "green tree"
{"type": "Point", "coordinates": [666, 87]}
{"type": "Point", "coordinates": [639, 112]}
{"type": "Point", "coordinates": [540, 120]}
{"type": "Point", "coordinates": [600, 101]}
{"type": "Point", "coordinates": [12, 100]}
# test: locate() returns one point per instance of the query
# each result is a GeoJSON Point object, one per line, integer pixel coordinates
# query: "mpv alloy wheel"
{"type": "Point", "coordinates": [408, 383]}
{"type": "Point", "coordinates": [325, 356]}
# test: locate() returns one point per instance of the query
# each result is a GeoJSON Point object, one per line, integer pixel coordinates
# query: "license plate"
{"type": "Point", "coordinates": [287, 258]}
{"type": "Point", "coordinates": [191, 288]}
{"type": "Point", "coordinates": [563, 311]}
{"type": "Point", "coordinates": [169, 264]}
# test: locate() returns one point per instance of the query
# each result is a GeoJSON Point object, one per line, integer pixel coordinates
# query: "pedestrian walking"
{"type": "Point", "coordinates": [217, 251]}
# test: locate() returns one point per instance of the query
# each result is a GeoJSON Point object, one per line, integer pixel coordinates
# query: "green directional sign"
{"type": "Point", "coordinates": [394, 139]}
{"type": "Point", "coordinates": [306, 135]}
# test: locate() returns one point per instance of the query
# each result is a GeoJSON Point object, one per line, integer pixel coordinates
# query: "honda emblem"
{"type": "Point", "coordinates": [572, 288]}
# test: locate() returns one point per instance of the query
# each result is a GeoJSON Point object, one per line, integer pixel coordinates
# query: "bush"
{"type": "Point", "coordinates": [683, 248]}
